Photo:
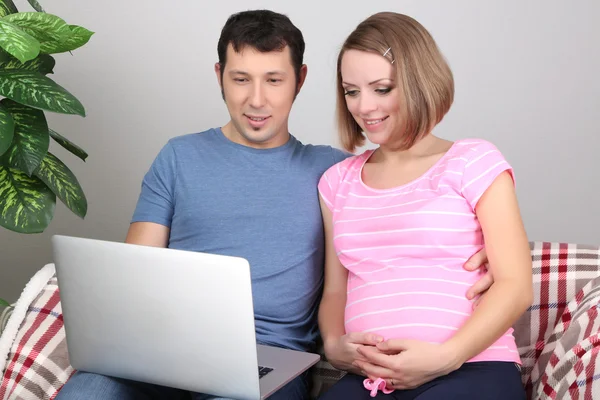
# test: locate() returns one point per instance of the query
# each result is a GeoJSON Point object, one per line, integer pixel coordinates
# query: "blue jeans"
{"type": "Point", "coordinates": [85, 385]}
{"type": "Point", "coordinates": [487, 380]}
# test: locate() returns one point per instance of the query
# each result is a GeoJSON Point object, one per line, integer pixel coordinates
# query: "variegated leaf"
{"type": "Point", "coordinates": [31, 140]}
{"type": "Point", "coordinates": [53, 33]}
{"type": "Point", "coordinates": [38, 91]}
{"type": "Point", "coordinates": [7, 129]}
{"type": "Point", "coordinates": [7, 7]}
{"type": "Point", "coordinates": [68, 145]}
{"type": "Point", "coordinates": [17, 42]}
{"type": "Point", "coordinates": [48, 29]}
{"type": "Point", "coordinates": [59, 178]}
{"type": "Point", "coordinates": [79, 36]}
{"type": "Point", "coordinates": [26, 204]}
{"type": "Point", "coordinates": [36, 6]}
{"type": "Point", "coordinates": [43, 63]}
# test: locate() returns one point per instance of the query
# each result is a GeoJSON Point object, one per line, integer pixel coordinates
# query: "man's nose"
{"type": "Point", "coordinates": [257, 97]}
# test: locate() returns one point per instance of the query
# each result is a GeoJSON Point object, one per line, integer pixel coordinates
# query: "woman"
{"type": "Point", "coordinates": [400, 222]}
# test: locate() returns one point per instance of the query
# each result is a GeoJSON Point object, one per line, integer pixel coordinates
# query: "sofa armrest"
{"type": "Point", "coordinates": [37, 364]}
{"type": "Point", "coordinates": [568, 361]}
{"type": "Point", "coordinates": [5, 316]}
{"type": "Point", "coordinates": [323, 375]}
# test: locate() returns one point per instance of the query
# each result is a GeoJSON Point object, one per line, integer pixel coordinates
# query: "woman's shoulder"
{"type": "Point", "coordinates": [349, 165]}
{"type": "Point", "coordinates": [471, 148]}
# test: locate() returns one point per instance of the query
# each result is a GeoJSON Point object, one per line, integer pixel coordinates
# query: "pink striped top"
{"type": "Point", "coordinates": [405, 247]}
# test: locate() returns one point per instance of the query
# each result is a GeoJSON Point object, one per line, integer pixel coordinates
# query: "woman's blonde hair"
{"type": "Point", "coordinates": [424, 78]}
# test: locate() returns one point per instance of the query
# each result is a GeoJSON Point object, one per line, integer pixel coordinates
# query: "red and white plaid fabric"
{"type": "Point", "coordinates": [38, 363]}
{"type": "Point", "coordinates": [558, 337]}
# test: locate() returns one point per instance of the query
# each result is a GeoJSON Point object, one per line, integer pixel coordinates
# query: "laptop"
{"type": "Point", "coordinates": [170, 317]}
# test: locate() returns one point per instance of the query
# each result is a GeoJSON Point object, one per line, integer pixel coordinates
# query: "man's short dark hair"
{"type": "Point", "coordinates": [262, 30]}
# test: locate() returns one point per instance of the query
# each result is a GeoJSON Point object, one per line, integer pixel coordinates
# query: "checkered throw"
{"type": "Point", "coordinates": [558, 337]}
{"type": "Point", "coordinates": [38, 363]}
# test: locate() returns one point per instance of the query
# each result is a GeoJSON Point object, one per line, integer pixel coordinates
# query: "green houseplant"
{"type": "Point", "coordinates": [31, 178]}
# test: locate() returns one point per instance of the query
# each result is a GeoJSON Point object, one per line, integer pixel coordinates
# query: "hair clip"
{"type": "Point", "coordinates": [387, 51]}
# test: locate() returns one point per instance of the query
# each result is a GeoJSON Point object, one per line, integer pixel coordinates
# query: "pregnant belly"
{"type": "Point", "coordinates": [411, 311]}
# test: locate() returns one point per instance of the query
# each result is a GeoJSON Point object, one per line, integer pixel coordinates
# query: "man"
{"type": "Point", "coordinates": [248, 189]}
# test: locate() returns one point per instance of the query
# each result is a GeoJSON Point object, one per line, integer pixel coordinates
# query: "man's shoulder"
{"type": "Point", "coordinates": [325, 155]}
{"type": "Point", "coordinates": [193, 139]}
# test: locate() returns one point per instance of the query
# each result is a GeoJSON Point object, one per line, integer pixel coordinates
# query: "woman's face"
{"type": "Point", "coordinates": [373, 95]}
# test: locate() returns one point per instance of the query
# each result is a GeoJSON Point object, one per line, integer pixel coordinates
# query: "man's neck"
{"type": "Point", "coordinates": [231, 133]}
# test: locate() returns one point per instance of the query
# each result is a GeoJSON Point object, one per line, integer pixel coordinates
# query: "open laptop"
{"type": "Point", "coordinates": [174, 318]}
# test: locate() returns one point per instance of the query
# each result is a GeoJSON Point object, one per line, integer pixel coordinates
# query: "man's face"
{"type": "Point", "coordinates": [259, 90]}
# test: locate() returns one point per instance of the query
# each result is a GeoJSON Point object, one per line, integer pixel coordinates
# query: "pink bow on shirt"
{"type": "Point", "coordinates": [378, 384]}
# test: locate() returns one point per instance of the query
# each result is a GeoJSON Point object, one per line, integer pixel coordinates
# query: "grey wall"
{"type": "Point", "coordinates": [526, 79]}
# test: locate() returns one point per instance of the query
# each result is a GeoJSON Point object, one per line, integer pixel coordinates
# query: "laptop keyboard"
{"type": "Point", "coordinates": [262, 371]}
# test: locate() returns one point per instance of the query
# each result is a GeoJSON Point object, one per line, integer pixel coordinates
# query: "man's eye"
{"type": "Point", "coordinates": [240, 80]}
{"type": "Point", "coordinates": [274, 80]}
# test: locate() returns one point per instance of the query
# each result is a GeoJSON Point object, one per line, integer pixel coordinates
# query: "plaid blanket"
{"type": "Point", "coordinates": [558, 337]}
{"type": "Point", "coordinates": [38, 363]}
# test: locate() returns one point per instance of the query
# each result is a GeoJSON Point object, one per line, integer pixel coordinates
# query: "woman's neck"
{"type": "Point", "coordinates": [426, 146]}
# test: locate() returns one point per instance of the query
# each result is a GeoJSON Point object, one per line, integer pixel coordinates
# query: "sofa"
{"type": "Point", "coordinates": [558, 337]}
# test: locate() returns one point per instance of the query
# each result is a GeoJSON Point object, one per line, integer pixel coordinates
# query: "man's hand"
{"type": "Point", "coordinates": [406, 364]}
{"type": "Point", "coordinates": [479, 288]}
{"type": "Point", "coordinates": [343, 352]}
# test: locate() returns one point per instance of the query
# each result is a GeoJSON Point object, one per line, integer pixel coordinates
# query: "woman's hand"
{"type": "Point", "coordinates": [406, 364]}
{"type": "Point", "coordinates": [343, 352]}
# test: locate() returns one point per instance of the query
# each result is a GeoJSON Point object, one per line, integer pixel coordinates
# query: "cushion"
{"type": "Point", "coordinates": [561, 323]}
{"type": "Point", "coordinates": [37, 365]}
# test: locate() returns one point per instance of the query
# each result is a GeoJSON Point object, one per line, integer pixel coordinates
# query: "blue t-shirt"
{"type": "Point", "coordinates": [220, 197]}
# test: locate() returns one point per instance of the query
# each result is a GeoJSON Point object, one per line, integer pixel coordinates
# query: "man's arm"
{"type": "Point", "coordinates": [148, 234]}
{"type": "Point", "coordinates": [154, 210]}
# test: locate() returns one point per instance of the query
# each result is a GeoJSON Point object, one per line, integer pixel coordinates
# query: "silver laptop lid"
{"type": "Point", "coordinates": [170, 317]}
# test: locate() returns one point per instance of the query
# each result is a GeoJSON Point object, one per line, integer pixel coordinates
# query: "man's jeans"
{"type": "Point", "coordinates": [84, 385]}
